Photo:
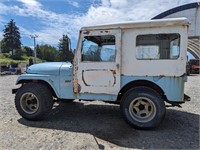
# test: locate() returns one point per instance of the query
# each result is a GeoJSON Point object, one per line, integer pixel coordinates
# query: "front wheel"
{"type": "Point", "coordinates": [142, 108]}
{"type": "Point", "coordinates": [33, 101]}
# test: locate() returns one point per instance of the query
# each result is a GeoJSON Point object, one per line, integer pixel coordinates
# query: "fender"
{"type": "Point", "coordinates": [52, 80]}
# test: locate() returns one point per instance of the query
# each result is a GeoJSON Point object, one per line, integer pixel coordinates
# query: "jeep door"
{"type": "Point", "coordinates": [98, 64]}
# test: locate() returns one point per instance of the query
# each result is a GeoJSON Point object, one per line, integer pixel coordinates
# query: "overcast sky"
{"type": "Point", "coordinates": [50, 19]}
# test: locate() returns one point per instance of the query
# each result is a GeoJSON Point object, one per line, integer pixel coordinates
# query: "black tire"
{"type": "Point", "coordinates": [33, 101]}
{"type": "Point", "coordinates": [142, 108]}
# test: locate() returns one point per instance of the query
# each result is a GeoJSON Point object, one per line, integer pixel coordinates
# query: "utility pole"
{"type": "Point", "coordinates": [34, 41]}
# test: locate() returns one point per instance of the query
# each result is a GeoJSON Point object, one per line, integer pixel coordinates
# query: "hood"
{"type": "Point", "coordinates": [48, 68]}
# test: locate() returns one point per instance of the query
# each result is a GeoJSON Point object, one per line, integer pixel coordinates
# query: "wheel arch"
{"type": "Point", "coordinates": [45, 83]}
{"type": "Point", "coordinates": [137, 83]}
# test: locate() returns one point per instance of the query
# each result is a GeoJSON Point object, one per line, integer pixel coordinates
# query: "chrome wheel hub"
{"type": "Point", "coordinates": [29, 103]}
{"type": "Point", "coordinates": [142, 109]}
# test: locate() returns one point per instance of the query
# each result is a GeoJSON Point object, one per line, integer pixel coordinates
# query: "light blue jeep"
{"type": "Point", "coordinates": [138, 65]}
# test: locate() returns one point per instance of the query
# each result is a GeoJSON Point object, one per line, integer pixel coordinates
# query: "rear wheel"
{"type": "Point", "coordinates": [142, 108]}
{"type": "Point", "coordinates": [33, 101]}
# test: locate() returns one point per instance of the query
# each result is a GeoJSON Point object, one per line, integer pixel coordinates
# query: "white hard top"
{"type": "Point", "coordinates": [141, 24]}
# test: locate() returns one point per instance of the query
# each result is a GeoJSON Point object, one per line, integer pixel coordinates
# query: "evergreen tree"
{"type": "Point", "coordinates": [47, 53]}
{"type": "Point", "coordinates": [27, 51]}
{"type": "Point", "coordinates": [38, 51]}
{"type": "Point", "coordinates": [11, 40]}
{"type": "Point", "coordinates": [1, 44]}
{"type": "Point", "coordinates": [65, 51]}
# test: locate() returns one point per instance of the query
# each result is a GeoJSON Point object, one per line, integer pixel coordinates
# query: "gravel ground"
{"type": "Point", "coordinates": [96, 125]}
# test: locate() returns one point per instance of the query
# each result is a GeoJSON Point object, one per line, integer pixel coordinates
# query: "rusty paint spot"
{"type": "Point", "coordinates": [75, 81]}
{"type": "Point", "coordinates": [79, 88]}
{"type": "Point", "coordinates": [113, 71]}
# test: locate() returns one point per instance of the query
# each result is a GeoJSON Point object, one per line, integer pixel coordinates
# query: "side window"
{"type": "Point", "coordinates": [158, 46]}
{"type": "Point", "coordinates": [108, 53]}
{"type": "Point", "coordinates": [99, 48]}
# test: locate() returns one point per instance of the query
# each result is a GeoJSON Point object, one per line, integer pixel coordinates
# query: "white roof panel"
{"type": "Point", "coordinates": [141, 24]}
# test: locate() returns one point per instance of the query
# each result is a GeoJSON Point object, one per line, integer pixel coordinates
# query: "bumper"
{"type": "Point", "coordinates": [186, 98]}
{"type": "Point", "coordinates": [14, 91]}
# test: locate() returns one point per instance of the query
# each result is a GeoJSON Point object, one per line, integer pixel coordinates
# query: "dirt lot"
{"type": "Point", "coordinates": [96, 125]}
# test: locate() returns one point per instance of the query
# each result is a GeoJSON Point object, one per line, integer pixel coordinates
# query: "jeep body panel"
{"type": "Point", "coordinates": [138, 65]}
{"type": "Point", "coordinates": [98, 80]}
{"type": "Point", "coordinates": [173, 87]}
{"type": "Point", "coordinates": [168, 74]}
{"type": "Point", "coordinates": [95, 77]}
{"type": "Point", "coordinates": [129, 31]}
{"type": "Point", "coordinates": [58, 75]}
{"type": "Point", "coordinates": [51, 80]}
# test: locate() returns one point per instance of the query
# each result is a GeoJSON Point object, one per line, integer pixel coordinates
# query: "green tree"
{"type": "Point", "coordinates": [11, 39]}
{"type": "Point", "coordinates": [47, 52]}
{"type": "Point", "coordinates": [27, 51]}
{"type": "Point", "coordinates": [38, 51]}
{"type": "Point", "coordinates": [1, 43]}
{"type": "Point", "coordinates": [65, 52]}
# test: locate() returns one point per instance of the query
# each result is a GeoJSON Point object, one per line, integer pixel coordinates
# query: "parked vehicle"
{"type": "Point", "coordinates": [194, 66]}
{"type": "Point", "coordinates": [187, 68]}
{"type": "Point", "coordinates": [4, 68]}
{"type": "Point", "coordinates": [139, 65]}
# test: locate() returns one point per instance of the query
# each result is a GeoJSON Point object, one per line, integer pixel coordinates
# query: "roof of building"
{"type": "Point", "coordinates": [177, 9]}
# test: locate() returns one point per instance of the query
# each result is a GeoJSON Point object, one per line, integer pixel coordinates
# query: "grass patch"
{"type": "Point", "coordinates": [5, 60]}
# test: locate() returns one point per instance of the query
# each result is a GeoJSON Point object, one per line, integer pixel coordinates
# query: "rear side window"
{"type": "Point", "coordinates": [158, 46]}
